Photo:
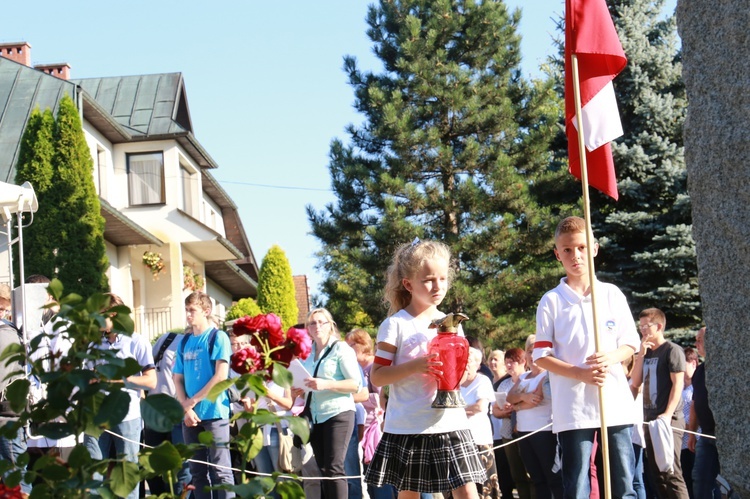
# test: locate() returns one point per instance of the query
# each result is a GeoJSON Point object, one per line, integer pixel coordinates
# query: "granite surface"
{"type": "Point", "coordinates": [716, 56]}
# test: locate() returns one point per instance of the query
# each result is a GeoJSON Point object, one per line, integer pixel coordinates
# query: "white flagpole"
{"type": "Point", "coordinates": [590, 263]}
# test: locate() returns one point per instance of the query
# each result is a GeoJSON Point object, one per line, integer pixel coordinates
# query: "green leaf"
{"type": "Point", "coordinates": [289, 489]}
{"type": "Point", "coordinates": [206, 438]}
{"type": "Point", "coordinates": [164, 458]}
{"type": "Point", "coordinates": [97, 302]}
{"type": "Point", "coordinates": [11, 350]}
{"type": "Point", "coordinates": [116, 403]}
{"type": "Point", "coordinates": [13, 478]}
{"type": "Point", "coordinates": [54, 472]}
{"type": "Point", "coordinates": [79, 457]}
{"type": "Point", "coordinates": [55, 430]}
{"type": "Point", "coordinates": [256, 383]}
{"type": "Point", "coordinates": [219, 387]}
{"type": "Point", "coordinates": [299, 426]}
{"type": "Point", "coordinates": [17, 394]}
{"type": "Point", "coordinates": [282, 376]}
{"type": "Point", "coordinates": [55, 289]}
{"type": "Point", "coordinates": [161, 412]}
{"type": "Point", "coordinates": [124, 477]}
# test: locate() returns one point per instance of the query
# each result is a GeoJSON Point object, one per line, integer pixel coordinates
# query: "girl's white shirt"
{"type": "Point", "coordinates": [409, 410]}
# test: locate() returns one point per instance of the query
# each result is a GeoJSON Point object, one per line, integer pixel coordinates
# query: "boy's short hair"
{"type": "Point", "coordinates": [199, 298]}
{"type": "Point", "coordinates": [654, 315]}
{"type": "Point", "coordinates": [570, 225]}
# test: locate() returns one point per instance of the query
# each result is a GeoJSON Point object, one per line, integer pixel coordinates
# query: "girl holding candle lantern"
{"type": "Point", "coordinates": [423, 449]}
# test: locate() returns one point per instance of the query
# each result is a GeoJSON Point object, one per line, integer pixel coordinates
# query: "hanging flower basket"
{"type": "Point", "coordinates": [191, 279]}
{"type": "Point", "coordinates": [154, 262]}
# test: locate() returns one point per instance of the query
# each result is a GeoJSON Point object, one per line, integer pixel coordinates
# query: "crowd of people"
{"type": "Point", "coordinates": [531, 424]}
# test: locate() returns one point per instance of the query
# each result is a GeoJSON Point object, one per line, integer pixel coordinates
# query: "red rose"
{"type": "Point", "coordinates": [10, 492]}
{"type": "Point", "coordinates": [300, 342]}
{"type": "Point", "coordinates": [268, 325]}
{"type": "Point", "coordinates": [247, 360]}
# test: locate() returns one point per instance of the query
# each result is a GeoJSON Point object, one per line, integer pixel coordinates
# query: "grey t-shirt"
{"type": "Point", "coordinates": [657, 383]}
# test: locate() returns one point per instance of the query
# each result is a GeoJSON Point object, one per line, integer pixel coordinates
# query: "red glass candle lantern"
{"type": "Point", "coordinates": [453, 352]}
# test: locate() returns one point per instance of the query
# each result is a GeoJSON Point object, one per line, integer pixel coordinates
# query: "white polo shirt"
{"type": "Point", "coordinates": [564, 330]}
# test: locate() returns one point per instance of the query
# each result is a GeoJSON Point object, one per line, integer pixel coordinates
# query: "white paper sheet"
{"type": "Point", "coordinates": [299, 373]}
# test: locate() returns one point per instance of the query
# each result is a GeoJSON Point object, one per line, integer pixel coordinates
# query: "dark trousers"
{"type": "Point", "coordinates": [687, 458]}
{"type": "Point", "coordinates": [503, 472]}
{"type": "Point", "coordinates": [329, 441]}
{"type": "Point", "coordinates": [518, 470]}
{"type": "Point", "coordinates": [538, 453]}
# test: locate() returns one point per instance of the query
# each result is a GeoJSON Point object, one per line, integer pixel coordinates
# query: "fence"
{"type": "Point", "coordinates": [152, 322]}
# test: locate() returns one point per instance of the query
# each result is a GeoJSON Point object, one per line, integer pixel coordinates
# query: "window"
{"type": "Point", "coordinates": [146, 178]}
{"type": "Point", "coordinates": [101, 172]}
{"type": "Point", "coordinates": [186, 203]}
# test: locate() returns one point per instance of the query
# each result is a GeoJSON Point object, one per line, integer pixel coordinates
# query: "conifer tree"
{"type": "Point", "coordinates": [245, 306]}
{"type": "Point", "coordinates": [455, 147]}
{"type": "Point", "coordinates": [35, 166]}
{"type": "Point", "coordinates": [81, 257]}
{"type": "Point", "coordinates": [66, 239]}
{"type": "Point", "coordinates": [276, 287]}
{"type": "Point", "coordinates": [647, 245]}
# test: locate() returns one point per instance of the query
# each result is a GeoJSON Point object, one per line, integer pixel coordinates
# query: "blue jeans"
{"type": "Point", "coordinates": [638, 484]}
{"type": "Point", "coordinates": [10, 449]}
{"type": "Point", "coordinates": [216, 454]}
{"type": "Point", "coordinates": [576, 448]}
{"type": "Point", "coordinates": [352, 465]}
{"type": "Point", "coordinates": [705, 469]}
{"type": "Point", "coordinates": [99, 448]}
{"type": "Point", "coordinates": [153, 438]}
{"type": "Point", "coordinates": [268, 458]}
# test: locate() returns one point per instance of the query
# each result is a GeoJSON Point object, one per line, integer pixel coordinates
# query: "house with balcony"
{"type": "Point", "coordinates": [158, 196]}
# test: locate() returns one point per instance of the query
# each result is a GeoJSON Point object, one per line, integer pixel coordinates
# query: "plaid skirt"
{"type": "Point", "coordinates": [431, 463]}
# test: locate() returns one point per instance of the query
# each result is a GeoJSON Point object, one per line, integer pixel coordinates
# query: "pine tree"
{"type": "Point", "coordinates": [81, 258]}
{"type": "Point", "coordinates": [455, 147]}
{"type": "Point", "coordinates": [647, 245]}
{"type": "Point", "coordinates": [276, 287]}
{"type": "Point", "coordinates": [35, 166]}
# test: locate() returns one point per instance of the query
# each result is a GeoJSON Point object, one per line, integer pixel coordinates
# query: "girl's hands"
{"type": "Point", "coordinates": [429, 364]}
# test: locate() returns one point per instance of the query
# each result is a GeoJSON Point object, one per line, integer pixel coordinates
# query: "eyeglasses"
{"type": "Point", "coordinates": [644, 327]}
{"type": "Point", "coordinates": [317, 324]}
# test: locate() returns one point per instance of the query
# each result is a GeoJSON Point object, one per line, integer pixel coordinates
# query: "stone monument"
{"type": "Point", "coordinates": [716, 69]}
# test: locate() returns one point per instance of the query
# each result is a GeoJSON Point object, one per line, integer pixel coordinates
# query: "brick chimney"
{"type": "Point", "coordinates": [19, 52]}
{"type": "Point", "coordinates": [61, 70]}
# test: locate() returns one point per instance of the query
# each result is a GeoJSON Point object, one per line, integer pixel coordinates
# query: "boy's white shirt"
{"type": "Point", "coordinates": [564, 318]}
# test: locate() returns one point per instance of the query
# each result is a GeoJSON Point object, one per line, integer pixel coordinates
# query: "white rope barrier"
{"type": "Point", "coordinates": [309, 478]}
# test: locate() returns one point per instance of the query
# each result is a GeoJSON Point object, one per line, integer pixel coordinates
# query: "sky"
{"type": "Point", "coordinates": [264, 81]}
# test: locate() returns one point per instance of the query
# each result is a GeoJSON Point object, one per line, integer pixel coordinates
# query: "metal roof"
{"type": "Point", "coordinates": [23, 89]}
{"type": "Point", "coordinates": [144, 104]}
{"type": "Point", "coordinates": [149, 107]}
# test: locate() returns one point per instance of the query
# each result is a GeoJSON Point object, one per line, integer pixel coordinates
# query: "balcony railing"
{"type": "Point", "coordinates": [152, 322]}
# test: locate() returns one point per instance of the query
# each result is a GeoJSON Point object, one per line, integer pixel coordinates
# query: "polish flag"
{"type": "Point", "coordinates": [590, 35]}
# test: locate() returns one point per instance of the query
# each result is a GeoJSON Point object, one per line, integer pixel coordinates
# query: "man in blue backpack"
{"type": "Point", "coordinates": [202, 361]}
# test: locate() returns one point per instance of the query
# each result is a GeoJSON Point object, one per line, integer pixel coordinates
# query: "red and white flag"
{"type": "Point", "coordinates": [591, 36]}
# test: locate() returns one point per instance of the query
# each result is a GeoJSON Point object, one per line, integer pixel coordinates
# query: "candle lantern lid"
{"type": "Point", "coordinates": [449, 323]}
